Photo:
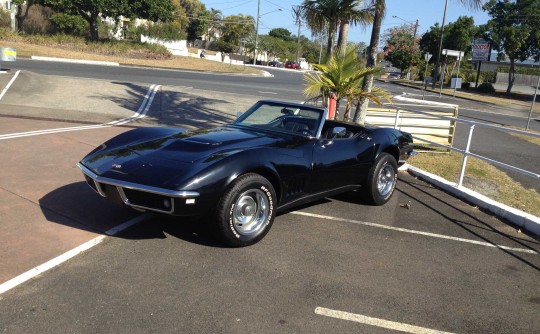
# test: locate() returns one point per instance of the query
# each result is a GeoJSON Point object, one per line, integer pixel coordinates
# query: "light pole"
{"type": "Point", "coordinates": [412, 44]}
{"type": "Point", "coordinates": [257, 29]}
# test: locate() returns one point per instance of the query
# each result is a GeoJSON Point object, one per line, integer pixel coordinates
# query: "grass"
{"type": "Point", "coordinates": [482, 178]}
{"type": "Point", "coordinates": [124, 52]}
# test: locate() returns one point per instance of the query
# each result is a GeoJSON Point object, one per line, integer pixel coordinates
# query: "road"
{"type": "Point", "coordinates": [425, 259]}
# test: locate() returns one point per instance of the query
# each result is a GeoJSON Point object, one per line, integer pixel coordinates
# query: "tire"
{"type": "Point", "coordinates": [382, 179]}
{"type": "Point", "coordinates": [245, 212]}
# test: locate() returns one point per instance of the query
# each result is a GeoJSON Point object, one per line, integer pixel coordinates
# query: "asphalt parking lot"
{"type": "Point", "coordinates": [425, 262]}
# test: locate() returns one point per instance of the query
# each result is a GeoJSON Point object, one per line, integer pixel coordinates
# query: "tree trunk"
{"type": "Point", "coordinates": [343, 34]}
{"type": "Point", "coordinates": [336, 115]}
{"type": "Point", "coordinates": [511, 76]}
{"type": "Point", "coordinates": [94, 30]}
{"type": "Point", "coordinates": [329, 43]}
{"type": "Point", "coordinates": [361, 107]}
{"type": "Point", "coordinates": [20, 17]}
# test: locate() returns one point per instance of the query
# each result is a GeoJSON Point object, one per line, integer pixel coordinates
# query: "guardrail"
{"type": "Point", "coordinates": [466, 152]}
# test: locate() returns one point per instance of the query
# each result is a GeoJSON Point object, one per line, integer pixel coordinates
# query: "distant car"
{"type": "Point", "coordinates": [292, 64]}
{"type": "Point", "coordinates": [275, 156]}
{"type": "Point", "coordinates": [394, 75]}
{"type": "Point", "coordinates": [275, 63]}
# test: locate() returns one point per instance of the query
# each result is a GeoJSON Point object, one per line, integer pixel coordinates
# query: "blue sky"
{"type": "Point", "coordinates": [428, 12]}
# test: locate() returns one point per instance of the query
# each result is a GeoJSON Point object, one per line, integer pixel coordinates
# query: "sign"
{"type": "Point", "coordinates": [453, 53]}
{"type": "Point", "coordinates": [480, 50]}
{"type": "Point", "coordinates": [8, 54]}
{"type": "Point", "coordinates": [427, 56]}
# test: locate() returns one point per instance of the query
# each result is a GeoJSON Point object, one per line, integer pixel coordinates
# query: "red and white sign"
{"type": "Point", "coordinates": [480, 50]}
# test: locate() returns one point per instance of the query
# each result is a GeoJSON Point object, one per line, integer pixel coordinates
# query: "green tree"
{"type": "Point", "coordinates": [342, 75]}
{"type": "Point", "coordinates": [332, 16]}
{"type": "Point", "coordinates": [513, 31]}
{"type": "Point", "coordinates": [236, 27]}
{"type": "Point", "coordinates": [92, 10]}
{"type": "Point", "coordinates": [281, 33]}
{"type": "Point", "coordinates": [460, 35]}
{"type": "Point", "coordinates": [401, 47]}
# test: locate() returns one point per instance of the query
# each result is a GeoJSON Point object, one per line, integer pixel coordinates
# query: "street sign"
{"type": "Point", "coordinates": [453, 53]}
{"type": "Point", "coordinates": [427, 56]}
{"type": "Point", "coordinates": [8, 54]}
{"type": "Point", "coordinates": [480, 50]}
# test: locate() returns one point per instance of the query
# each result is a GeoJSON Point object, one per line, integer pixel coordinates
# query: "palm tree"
{"type": "Point", "coordinates": [351, 12]}
{"type": "Point", "coordinates": [342, 75]}
{"type": "Point", "coordinates": [331, 16]}
{"type": "Point", "coordinates": [379, 7]}
{"type": "Point", "coordinates": [320, 16]}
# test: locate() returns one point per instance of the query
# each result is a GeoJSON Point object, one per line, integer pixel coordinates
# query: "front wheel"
{"type": "Point", "coordinates": [245, 212]}
{"type": "Point", "coordinates": [382, 179]}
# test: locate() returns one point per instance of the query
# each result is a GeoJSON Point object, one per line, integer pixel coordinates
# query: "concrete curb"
{"type": "Point", "coordinates": [75, 61]}
{"type": "Point", "coordinates": [517, 217]}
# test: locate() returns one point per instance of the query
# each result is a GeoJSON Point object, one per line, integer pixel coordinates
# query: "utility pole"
{"type": "Point", "coordinates": [412, 49]}
{"type": "Point", "coordinates": [256, 33]}
{"type": "Point", "coordinates": [296, 12]}
{"type": "Point", "coordinates": [438, 62]}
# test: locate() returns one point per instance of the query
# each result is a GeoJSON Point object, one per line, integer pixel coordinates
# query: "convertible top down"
{"type": "Point", "coordinates": [275, 156]}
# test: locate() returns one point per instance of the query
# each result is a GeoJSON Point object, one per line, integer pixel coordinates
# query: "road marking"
{"type": "Point", "coordinates": [141, 113]}
{"type": "Point", "coordinates": [12, 283]}
{"type": "Point", "coordinates": [434, 235]}
{"type": "Point", "coordinates": [268, 93]}
{"type": "Point", "coordinates": [4, 91]}
{"type": "Point", "coordinates": [398, 326]}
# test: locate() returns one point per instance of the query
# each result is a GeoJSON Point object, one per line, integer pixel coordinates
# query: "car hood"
{"type": "Point", "coordinates": [158, 161]}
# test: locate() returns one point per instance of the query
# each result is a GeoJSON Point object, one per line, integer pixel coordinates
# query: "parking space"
{"type": "Point", "coordinates": [424, 261]}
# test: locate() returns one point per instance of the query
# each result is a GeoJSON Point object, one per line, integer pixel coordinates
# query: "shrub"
{"type": "Point", "coordinates": [69, 24]}
{"type": "Point", "coordinates": [162, 31]}
{"type": "Point", "coordinates": [489, 76]}
{"type": "Point", "coordinates": [486, 87]}
{"type": "Point", "coordinates": [466, 85]}
{"type": "Point", "coordinates": [221, 45]}
{"type": "Point", "coordinates": [38, 21]}
{"type": "Point", "coordinates": [5, 19]}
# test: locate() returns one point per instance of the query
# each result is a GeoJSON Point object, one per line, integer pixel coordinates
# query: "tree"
{"type": "Point", "coordinates": [342, 75]}
{"type": "Point", "coordinates": [236, 27]}
{"type": "Point", "coordinates": [327, 16]}
{"type": "Point", "coordinates": [371, 61]}
{"type": "Point", "coordinates": [351, 12]}
{"type": "Point", "coordinates": [20, 16]}
{"type": "Point", "coordinates": [92, 10]}
{"type": "Point", "coordinates": [460, 36]}
{"type": "Point", "coordinates": [401, 47]}
{"type": "Point", "coordinates": [281, 33]}
{"type": "Point", "coordinates": [513, 31]}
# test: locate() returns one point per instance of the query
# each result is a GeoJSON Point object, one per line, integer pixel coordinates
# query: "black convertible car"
{"type": "Point", "coordinates": [238, 176]}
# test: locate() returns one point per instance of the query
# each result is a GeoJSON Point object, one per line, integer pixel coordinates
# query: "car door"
{"type": "Point", "coordinates": [341, 162]}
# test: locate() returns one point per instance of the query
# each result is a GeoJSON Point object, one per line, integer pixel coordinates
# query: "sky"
{"type": "Point", "coordinates": [427, 12]}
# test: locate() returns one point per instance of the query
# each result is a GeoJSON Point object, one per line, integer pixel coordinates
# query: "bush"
{"type": "Point", "coordinates": [5, 19]}
{"type": "Point", "coordinates": [162, 31]}
{"type": "Point", "coordinates": [486, 87]}
{"type": "Point", "coordinates": [38, 20]}
{"type": "Point", "coordinates": [466, 85]}
{"type": "Point", "coordinates": [221, 45]}
{"type": "Point", "coordinates": [489, 76]}
{"type": "Point", "coordinates": [69, 24]}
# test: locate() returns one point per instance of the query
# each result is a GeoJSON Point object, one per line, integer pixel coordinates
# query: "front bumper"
{"type": "Point", "coordinates": [142, 197]}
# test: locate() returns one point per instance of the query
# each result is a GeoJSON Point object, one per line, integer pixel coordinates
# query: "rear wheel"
{"type": "Point", "coordinates": [382, 179]}
{"type": "Point", "coordinates": [245, 213]}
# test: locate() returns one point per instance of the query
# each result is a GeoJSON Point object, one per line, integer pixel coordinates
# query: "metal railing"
{"type": "Point", "coordinates": [466, 152]}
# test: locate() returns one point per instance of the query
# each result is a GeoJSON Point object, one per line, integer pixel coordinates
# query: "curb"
{"type": "Point", "coordinates": [517, 217]}
{"type": "Point", "coordinates": [75, 61]}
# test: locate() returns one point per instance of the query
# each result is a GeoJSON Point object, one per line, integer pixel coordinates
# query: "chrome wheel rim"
{"type": "Point", "coordinates": [386, 180]}
{"type": "Point", "coordinates": [251, 212]}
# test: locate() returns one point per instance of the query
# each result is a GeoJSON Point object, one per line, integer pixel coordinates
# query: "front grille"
{"type": "Point", "coordinates": [149, 200]}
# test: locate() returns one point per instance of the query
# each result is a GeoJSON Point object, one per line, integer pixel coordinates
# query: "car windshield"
{"type": "Point", "coordinates": [294, 119]}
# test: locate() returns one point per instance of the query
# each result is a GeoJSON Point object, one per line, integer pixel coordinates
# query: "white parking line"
{"type": "Point", "coordinates": [399, 229]}
{"type": "Point", "coordinates": [4, 91]}
{"type": "Point", "coordinates": [141, 113]}
{"type": "Point", "coordinates": [397, 326]}
{"type": "Point", "coordinates": [6, 286]}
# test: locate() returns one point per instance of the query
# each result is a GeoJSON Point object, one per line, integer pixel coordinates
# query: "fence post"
{"type": "Point", "coordinates": [397, 118]}
{"type": "Point", "coordinates": [465, 156]}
